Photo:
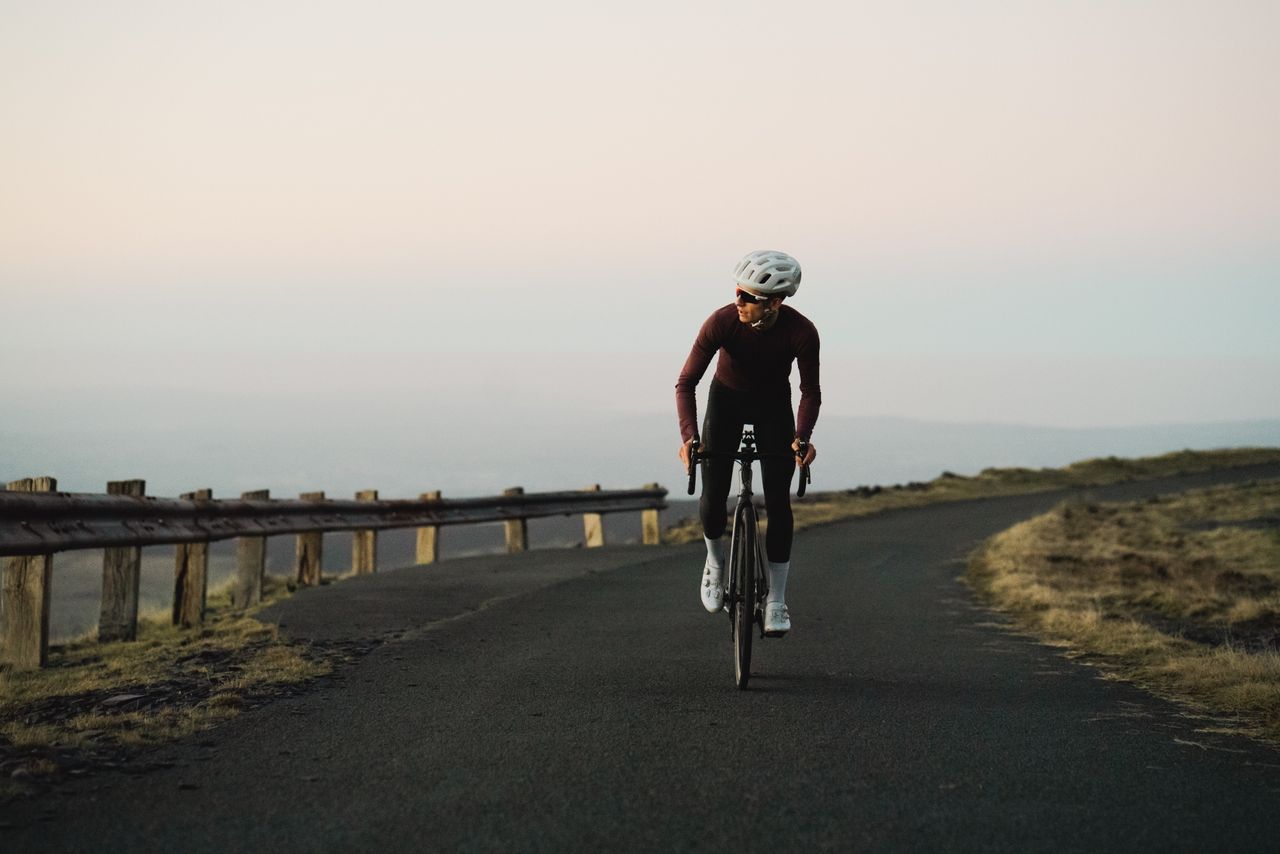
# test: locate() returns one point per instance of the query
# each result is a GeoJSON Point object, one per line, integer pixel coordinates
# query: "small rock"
{"type": "Point", "coordinates": [20, 774]}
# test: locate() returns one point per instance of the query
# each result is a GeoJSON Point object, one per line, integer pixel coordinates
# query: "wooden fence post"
{"type": "Point", "coordinates": [364, 544]}
{"type": "Point", "coordinates": [310, 550]}
{"type": "Point", "coordinates": [121, 571]}
{"type": "Point", "coordinates": [251, 562]}
{"type": "Point", "coordinates": [517, 529]}
{"type": "Point", "coordinates": [429, 536]}
{"type": "Point", "coordinates": [650, 524]}
{"type": "Point", "coordinates": [26, 597]}
{"type": "Point", "coordinates": [191, 575]}
{"type": "Point", "coordinates": [593, 524]}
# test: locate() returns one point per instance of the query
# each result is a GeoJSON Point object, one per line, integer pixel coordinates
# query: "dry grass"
{"type": "Point", "coordinates": [823, 507]}
{"type": "Point", "coordinates": [180, 682]}
{"type": "Point", "coordinates": [1181, 595]}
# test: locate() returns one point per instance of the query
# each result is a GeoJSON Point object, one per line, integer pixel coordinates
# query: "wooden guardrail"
{"type": "Point", "coordinates": [36, 521]}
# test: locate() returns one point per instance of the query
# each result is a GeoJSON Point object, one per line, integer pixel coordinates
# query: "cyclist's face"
{"type": "Point", "coordinates": [754, 312]}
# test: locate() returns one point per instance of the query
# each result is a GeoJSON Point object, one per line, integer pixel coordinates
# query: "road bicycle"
{"type": "Point", "coordinates": [745, 582]}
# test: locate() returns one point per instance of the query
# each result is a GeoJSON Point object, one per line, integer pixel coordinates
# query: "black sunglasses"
{"type": "Point", "coordinates": [750, 299]}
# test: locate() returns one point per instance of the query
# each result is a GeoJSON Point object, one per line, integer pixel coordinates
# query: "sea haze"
{"type": "Point", "coordinates": [403, 458]}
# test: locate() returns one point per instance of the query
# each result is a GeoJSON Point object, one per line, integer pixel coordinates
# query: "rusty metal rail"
{"type": "Point", "coordinates": [34, 523]}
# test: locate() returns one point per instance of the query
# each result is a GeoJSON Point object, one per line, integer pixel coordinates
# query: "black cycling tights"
{"type": "Point", "coordinates": [775, 427]}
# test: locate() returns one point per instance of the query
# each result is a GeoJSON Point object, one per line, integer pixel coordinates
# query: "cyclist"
{"type": "Point", "coordinates": [757, 338]}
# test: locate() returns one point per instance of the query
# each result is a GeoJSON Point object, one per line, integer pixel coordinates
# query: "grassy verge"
{"type": "Point", "coordinates": [822, 507]}
{"type": "Point", "coordinates": [1181, 595]}
{"type": "Point", "coordinates": [97, 703]}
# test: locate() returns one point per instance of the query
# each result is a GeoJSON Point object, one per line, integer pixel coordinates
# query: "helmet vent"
{"type": "Point", "coordinates": [765, 278]}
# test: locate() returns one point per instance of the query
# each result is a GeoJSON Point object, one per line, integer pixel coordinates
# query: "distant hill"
{"type": "Point", "coordinates": [403, 459]}
{"type": "Point", "coordinates": [891, 450]}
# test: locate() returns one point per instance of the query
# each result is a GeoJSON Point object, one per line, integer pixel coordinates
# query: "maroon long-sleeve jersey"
{"type": "Point", "coordinates": [753, 360]}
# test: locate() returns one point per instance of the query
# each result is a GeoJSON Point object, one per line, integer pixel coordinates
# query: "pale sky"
{"type": "Point", "coordinates": [1045, 213]}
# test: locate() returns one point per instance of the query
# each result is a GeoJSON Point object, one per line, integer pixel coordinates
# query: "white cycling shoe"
{"type": "Point", "coordinates": [777, 620]}
{"type": "Point", "coordinates": [712, 592]}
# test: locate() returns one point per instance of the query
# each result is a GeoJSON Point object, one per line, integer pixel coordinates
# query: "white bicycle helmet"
{"type": "Point", "coordinates": [769, 273]}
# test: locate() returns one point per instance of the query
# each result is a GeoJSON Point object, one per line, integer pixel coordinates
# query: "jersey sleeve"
{"type": "Point", "coordinates": [704, 347]}
{"type": "Point", "coordinates": [810, 388]}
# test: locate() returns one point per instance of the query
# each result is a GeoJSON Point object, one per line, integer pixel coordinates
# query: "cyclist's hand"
{"type": "Point", "coordinates": [810, 453]}
{"type": "Point", "coordinates": [684, 452]}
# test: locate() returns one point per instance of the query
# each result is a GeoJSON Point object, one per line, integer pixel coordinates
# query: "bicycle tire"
{"type": "Point", "coordinates": [742, 612]}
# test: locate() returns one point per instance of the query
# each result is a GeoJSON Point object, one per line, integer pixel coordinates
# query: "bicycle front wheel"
{"type": "Point", "coordinates": [742, 610]}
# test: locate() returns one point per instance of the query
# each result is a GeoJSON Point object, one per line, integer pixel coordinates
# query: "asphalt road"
{"type": "Point", "coordinates": [582, 700]}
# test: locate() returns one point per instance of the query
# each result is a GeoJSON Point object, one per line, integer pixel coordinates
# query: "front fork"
{"type": "Point", "coordinates": [731, 594]}
{"type": "Point", "coordinates": [762, 588]}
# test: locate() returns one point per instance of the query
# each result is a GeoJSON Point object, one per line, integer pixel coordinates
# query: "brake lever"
{"type": "Point", "coordinates": [693, 465]}
{"type": "Point", "coordinates": [805, 477]}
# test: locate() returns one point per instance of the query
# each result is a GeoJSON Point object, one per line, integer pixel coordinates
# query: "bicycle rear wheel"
{"type": "Point", "coordinates": [742, 610]}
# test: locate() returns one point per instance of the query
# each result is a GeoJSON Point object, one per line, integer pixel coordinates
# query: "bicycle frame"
{"type": "Point", "coordinates": [745, 525]}
{"type": "Point", "coordinates": [746, 584]}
